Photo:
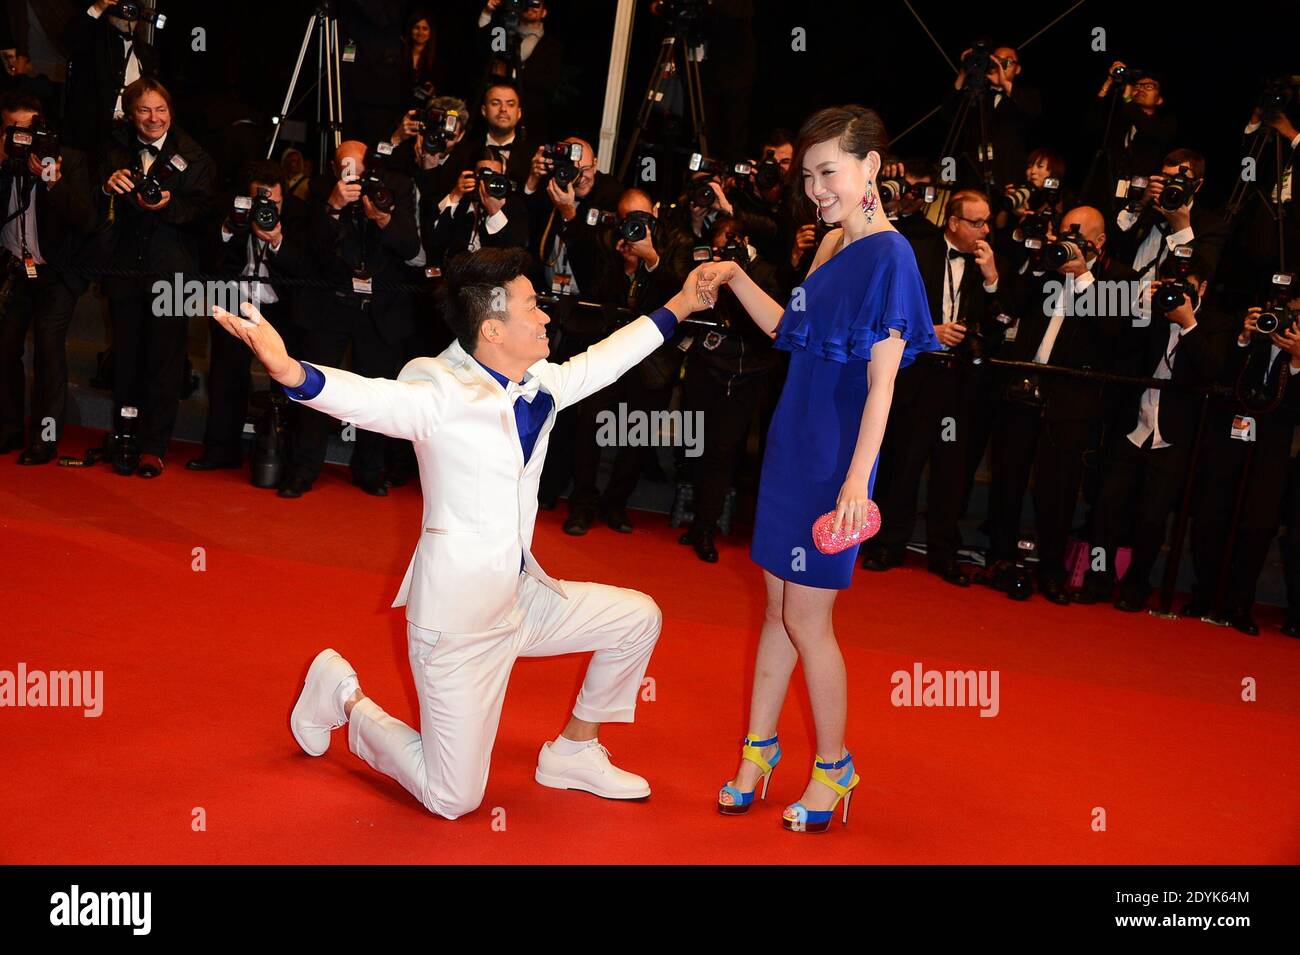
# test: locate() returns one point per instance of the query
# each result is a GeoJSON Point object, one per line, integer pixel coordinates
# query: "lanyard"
{"type": "Point", "coordinates": [952, 291]}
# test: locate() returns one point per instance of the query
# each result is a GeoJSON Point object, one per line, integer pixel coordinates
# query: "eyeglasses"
{"type": "Point", "coordinates": [977, 223]}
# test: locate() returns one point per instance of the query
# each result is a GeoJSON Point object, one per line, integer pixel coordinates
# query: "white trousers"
{"type": "Point", "coordinates": [461, 678]}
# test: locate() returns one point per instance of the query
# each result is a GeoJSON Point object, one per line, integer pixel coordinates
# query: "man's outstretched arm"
{"type": "Point", "coordinates": [399, 409]}
{"type": "Point", "coordinates": [607, 360]}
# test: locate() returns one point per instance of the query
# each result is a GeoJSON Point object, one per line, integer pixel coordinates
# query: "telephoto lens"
{"type": "Point", "coordinates": [264, 214]}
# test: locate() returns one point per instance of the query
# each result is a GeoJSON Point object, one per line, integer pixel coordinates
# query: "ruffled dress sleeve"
{"type": "Point", "coordinates": [843, 311]}
{"type": "Point", "coordinates": [895, 298]}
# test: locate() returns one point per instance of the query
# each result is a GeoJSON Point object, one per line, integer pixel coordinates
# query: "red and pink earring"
{"type": "Point", "coordinates": [869, 203]}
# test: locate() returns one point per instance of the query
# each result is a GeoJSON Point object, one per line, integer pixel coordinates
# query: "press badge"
{"type": "Point", "coordinates": [350, 52]}
{"type": "Point", "coordinates": [362, 284]}
{"type": "Point", "coordinates": [560, 284]}
{"type": "Point", "coordinates": [29, 264]}
{"type": "Point", "coordinates": [1243, 428]}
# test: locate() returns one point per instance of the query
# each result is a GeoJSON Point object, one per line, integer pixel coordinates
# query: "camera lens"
{"type": "Point", "coordinates": [1268, 322]}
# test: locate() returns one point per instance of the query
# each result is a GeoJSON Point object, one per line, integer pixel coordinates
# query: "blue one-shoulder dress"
{"type": "Point", "coordinates": [847, 305]}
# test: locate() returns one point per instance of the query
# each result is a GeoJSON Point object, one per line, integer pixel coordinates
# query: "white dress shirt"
{"type": "Point", "coordinates": [258, 293]}
{"type": "Point", "coordinates": [954, 272]}
{"type": "Point", "coordinates": [1150, 253]}
{"type": "Point", "coordinates": [1286, 172]}
{"type": "Point", "coordinates": [1149, 407]}
{"type": "Point", "coordinates": [10, 236]}
{"type": "Point", "coordinates": [1073, 284]}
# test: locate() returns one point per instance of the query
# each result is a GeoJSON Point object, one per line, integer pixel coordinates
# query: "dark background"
{"type": "Point", "coordinates": [1213, 61]}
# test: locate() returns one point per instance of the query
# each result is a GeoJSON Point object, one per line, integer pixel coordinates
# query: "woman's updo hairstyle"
{"type": "Point", "coordinates": [857, 129]}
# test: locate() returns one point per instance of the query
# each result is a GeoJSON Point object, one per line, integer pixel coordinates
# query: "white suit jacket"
{"type": "Point", "coordinates": [480, 498]}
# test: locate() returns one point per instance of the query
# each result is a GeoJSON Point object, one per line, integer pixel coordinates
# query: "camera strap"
{"type": "Point", "coordinates": [23, 185]}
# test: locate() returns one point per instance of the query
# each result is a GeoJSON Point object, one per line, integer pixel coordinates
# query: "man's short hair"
{"type": "Point", "coordinates": [920, 169]}
{"type": "Point", "coordinates": [18, 101]}
{"type": "Point", "coordinates": [780, 136]}
{"type": "Point", "coordinates": [468, 295]}
{"type": "Point", "coordinates": [1187, 157]}
{"type": "Point", "coordinates": [265, 171]}
{"type": "Point", "coordinates": [502, 82]}
{"type": "Point", "coordinates": [448, 103]}
{"type": "Point", "coordinates": [961, 199]}
{"type": "Point", "coordinates": [134, 92]}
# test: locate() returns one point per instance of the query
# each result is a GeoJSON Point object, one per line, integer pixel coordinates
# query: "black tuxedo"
{"type": "Point", "coordinates": [466, 154]}
{"type": "Point", "coordinates": [580, 238]}
{"type": "Point", "coordinates": [538, 77]}
{"type": "Point", "coordinates": [63, 218]}
{"type": "Point", "coordinates": [448, 232]}
{"type": "Point", "coordinates": [1154, 138]}
{"type": "Point", "coordinates": [149, 342]}
{"type": "Point", "coordinates": [1142, 484]}
{"type": "Point", "coordinates": [375, 324]}
{"type": "Point", "coordinates": [96, 74]}
{"type": "Point", "coordinates": [1210, 235]}
{"type": "Point", "coordinates": [1051, 439]}
{"type": "Point", "coordinates": [1222, 461]}
{"type": "Point", "coordinates": [229, 372]}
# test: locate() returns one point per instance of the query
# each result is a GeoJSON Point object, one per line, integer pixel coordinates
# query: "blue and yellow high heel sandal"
{"type": "Point", "coordinates": [799, 818]}
{"type": "Point", "coordinates": [753, 751]}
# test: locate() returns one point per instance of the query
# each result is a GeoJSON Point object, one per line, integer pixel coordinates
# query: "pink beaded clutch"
{"type": "Point", "coordinates": [829, 543]}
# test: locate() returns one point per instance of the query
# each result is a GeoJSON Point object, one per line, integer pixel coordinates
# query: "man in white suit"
{"type": "Point", "coordinates": [476, 598]}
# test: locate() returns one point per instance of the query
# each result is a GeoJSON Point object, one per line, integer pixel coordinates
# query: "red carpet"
{"type": "Point", "coordinates": [1139, 716]}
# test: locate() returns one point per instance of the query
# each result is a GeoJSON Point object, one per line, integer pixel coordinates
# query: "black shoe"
{"type": "Point", "coordinates": [1095, 590]}
{"type": "Point", "coordinates": [150, 466]}
{"type": "Point", "coordinates": [1245, 623]}
{"type": "Point", "coordinates": [882, 559]}
{"type": "Point", "coordinates": [579, 520]}
{"type": "Point", "coordinates": [1292, 627]}
{"type": "Point", "coordinates": [616, 517]}
{"type": "Point", "coordinates": [952, 573]}
{"type": "Point", "coordinates": [371, 483]}
{"type": "Point", "coordinates": [10, 442]}
{"type": "Point", "coordinates": [42, 453]}
{"type": "Point", "coordinates": [293, 487]}
{"type": "Point", "coordinates": [206, 462]}
{"type": "Point", "coordinates": [1055, 591]}
{"type": "Point", "coordinates": [702, 542]}
{"type": "Point", "coordinates": [1019, 585]}
{"type": "Point", "coordinates": [1131, 601]}
{"type": "Point", "coordinates": [1194, 608]}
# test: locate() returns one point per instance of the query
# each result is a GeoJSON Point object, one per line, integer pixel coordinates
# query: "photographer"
{"type": "Point", "coordinates": [558, 199]}
{"type": "Point", "coordinates": [1256, 426]}
{"type": "Point", "coordinates": [934, 413]}
{"type": "Point", "coordinates": [1037, 194]}
{"type": "Point", "coordinates": [1165, 215]}
{"type": "Point", "coordinates": [361, 231]}
{"type": "Point", "coordinates": [1073, 316]}
{"type": "Point", "coordinates": [482, 209]}
{"type": "Point", "coordinates": [727, 370]}
{"type": "Point", "coordinates": [637, 278]}
{"type": "Point", "coordinates": [105, 55]}
{"type": "Point", "coordinates": [1011, 108]}
{"type": "Point", "coordinates": [254, 242]}
{"type": "Point", "coordinates": [533, 59]}
{"type": "Point", "coordinates": [158, 187]}
{"type": "Point", "coordinates": [1142, 132]}
{"type": "Point", "coordinates": [757, 198]}
{"type": "Point", "coordinates": [47, 215]}
{"type": "Point", "coordinates": [1145, 469]}
{"type": "Point", "coordinates": [503, 137]}
{"type": "Point", "coordinates": [908, 210]}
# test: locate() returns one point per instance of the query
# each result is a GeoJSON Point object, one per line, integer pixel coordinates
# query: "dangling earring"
{"type": "Point", "coordinates": [818, 207]}
{"type": "Point", "coordinates": [869, 203]}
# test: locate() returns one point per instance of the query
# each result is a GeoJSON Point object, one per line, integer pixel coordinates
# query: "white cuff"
{"type": "Point", "coordinates": [496, 221]}
{"type": "Point", "coordinates": [1181, 237]}
{"type": "Point", "coordinates": [1125, 220]}
{"type": "Point", "coordinates": [1186, 328]}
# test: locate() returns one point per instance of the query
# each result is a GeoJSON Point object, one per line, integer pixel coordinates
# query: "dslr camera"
{"type": "Point", "coordinates": [564, 158]}
{"type": "Point", "coordinates": [496, 184]}
{"type": "Point", "coordinates": [372, 183]}
{"type": "Point", "coordinates": [438, 127]}
{"type": "Point", "coordinates": [1126, 75]}
{"type": "Point", "coordinates": [1277, 315]}
{"type": "Point", "coordinates": [1068, 247]}
{"type": "Point", "coordinates": [34, 140]}
{"type": "Point", "coordinates": [1176, 272]}
{"type": "Point", "coordinates": [894, 190]}
{"type": "Point", "coordinates": [150, 186]}
{"type": "Point", "coordinates": [1034, 198]}
{"type": "Point", "coordinates": [258, 210]}
{"type": "Point", "coordinates": [130, 10]}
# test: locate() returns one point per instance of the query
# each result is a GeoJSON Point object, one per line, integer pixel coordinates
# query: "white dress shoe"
{"type": "Point", "coordinates": [319, 709]}
{"type": "Point", "coordinates": [590, 770]}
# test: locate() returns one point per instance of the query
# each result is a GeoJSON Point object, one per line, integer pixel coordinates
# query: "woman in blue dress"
{"type": "Point", "coordinates": [859, 315]}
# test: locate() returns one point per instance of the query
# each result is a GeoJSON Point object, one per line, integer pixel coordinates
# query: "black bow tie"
{"type": "Point", "coordinates": [153, 150]}
{"type": "Point", "coordinates": [958, 254]}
